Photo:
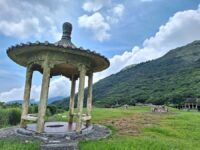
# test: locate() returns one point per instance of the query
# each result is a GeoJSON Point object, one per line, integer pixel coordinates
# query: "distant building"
{"type": "Point", "coordinates": [189, 103]}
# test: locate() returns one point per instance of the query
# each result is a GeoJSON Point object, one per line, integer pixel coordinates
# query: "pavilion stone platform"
{"type": "Point", "coordinates": [58, 128]}
{"type": "Point", "coordinates": [61, 138]}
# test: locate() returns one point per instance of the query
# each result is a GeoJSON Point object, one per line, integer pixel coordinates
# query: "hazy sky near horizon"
{"type": "Point", "coordinates": [127, 32]}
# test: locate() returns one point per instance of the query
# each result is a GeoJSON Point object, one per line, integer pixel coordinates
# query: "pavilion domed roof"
{"type": "Point", "coordinates": [63, 50]}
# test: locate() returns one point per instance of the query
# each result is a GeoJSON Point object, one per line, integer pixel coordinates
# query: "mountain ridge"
{"type": "Point", "coordinates": [33, 101]}
{"type": "Point", "coordinates": [169, 79]}
{"type": "Point", "coordinates": [135, 83]}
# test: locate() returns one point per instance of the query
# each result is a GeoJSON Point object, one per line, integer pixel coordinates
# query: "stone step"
{"type": "Point", "coordinates": [60, 146]}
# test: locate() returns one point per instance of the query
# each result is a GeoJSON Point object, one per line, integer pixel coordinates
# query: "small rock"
{"type": "Point", "coordinates": [41, 138]}
{"type": "Point", "coordinates": [54, 141]}
{"type": "Point", "coordinates": [26, 141]}
{"type": "Point", "coordinates": [67, 138]}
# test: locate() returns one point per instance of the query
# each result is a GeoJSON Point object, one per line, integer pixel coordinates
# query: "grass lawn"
{"type": "Point", "coordinates": [136, 129]}
{"type": "Point", "coordinates": [17, 144]}
{"type": "Point", "coordinates": [99, 114]}
{"type": "Point", "coordinates": [178, 130]}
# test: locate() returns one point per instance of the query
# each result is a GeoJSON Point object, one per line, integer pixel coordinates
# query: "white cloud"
{"type": "Point", "coordinates": [23, 28]}
{"type": "Point", "coordinates": [95, 5]}
{"type": "Point", "coordinates": [115, 14]}
{"type": "Point", "coordinates": [92, 6]}
{"type": "Point", "coordinates": [26, 19]}
{"type": "Point", "coordinates": [13, 94]}
{"type": "Point", "coordinates": [118, 10]}
{"type": "Point", "coordinates": [58, 87]}
{"type": "Point", "coordinates": [182, 28]}
{"type": "Point", "coordinates": [97, 24]}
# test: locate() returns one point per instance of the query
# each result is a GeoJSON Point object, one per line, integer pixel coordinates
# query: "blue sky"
{"type": "Point", "coordinates": [127, 32]}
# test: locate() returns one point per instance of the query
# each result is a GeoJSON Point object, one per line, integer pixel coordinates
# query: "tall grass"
{"type": "Point", "coordinates": [9, 116]}
{"type": "Point", "coordinates": [3, 118]}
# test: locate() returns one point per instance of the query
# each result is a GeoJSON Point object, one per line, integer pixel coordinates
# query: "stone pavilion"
{"type": "Point", "coordinates": [53, 59]}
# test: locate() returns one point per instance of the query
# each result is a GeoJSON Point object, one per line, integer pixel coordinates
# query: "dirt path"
{"type": "Point", "coordinates": [133, 125]}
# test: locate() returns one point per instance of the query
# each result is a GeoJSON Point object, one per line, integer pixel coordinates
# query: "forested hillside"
{"type": "Point", "coordinates": [169, 79]}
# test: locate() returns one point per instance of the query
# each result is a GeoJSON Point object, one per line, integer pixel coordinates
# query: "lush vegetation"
{"type": "Point", "coordinates": [178, 130]}
{"type": "Point", "coordinates": [169, 79]}
{"type": "Point", "coordinates": [135, 128]}
{"type": "Point", "coordinates": [9, 115]}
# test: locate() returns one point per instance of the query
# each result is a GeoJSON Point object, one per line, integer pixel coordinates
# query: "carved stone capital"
{"type": "Point", "coordinates": [82, 67]}
{"type": "Point", "coordinates": [47, 64]}
{"type": "Point", "coordinates": [30, 66]}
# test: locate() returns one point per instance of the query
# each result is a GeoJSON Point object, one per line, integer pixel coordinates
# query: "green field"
{"type": "Point", "coordinates": [135, 129]}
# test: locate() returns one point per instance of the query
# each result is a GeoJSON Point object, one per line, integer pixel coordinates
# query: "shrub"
{"type": "Point", "coordinates": [48, 112]}
{"type": "Point", "coordinates": [198, 108]}
{"type": "Point", "coordinates": [14, 116]}
{"type": "Point", "coordinates": [60, 111]}
{"type": "Point", "coordinates": [33, 109]}
{"type": "Point", "coordinates": [3, 118]}
{"type": "Point", "coordinates": [52, 109]}
{"type": "Point", "coordinates": [132, 102]}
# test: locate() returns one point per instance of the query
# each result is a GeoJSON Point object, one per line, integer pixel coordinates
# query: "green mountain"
{"type": "Point", "coordinates": [169, 79]}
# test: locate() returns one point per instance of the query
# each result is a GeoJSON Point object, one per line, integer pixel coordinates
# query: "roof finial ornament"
{"type": "Point", "coordinates": [67, 30]}
{"type": "Point", "coordinates": [66, 37]}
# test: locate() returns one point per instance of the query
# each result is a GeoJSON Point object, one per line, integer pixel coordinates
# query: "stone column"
{"type": "Point", "coordinates": [27, 91]}
{"type": "Point", "coordinates": [89, 98]}
{"type": "Point", "coordinates": [71, 102]}
{"type": "Point", "coordinates": [43, 98]}
{"type": "Point", "coordinates": [80, 97]}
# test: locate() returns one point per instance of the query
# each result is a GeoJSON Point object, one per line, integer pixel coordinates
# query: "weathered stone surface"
{"type": "Point", "coordinates": [50, 142]}
{"type": "Point", "coordinates": [43, 97]}
{"type": "Point", "coordinates": [27, 91]}
{"type": "Point", "coordinates": [7, 132]}
{"type": "Point", "coordinates": [25, 132]}
{"type": "Point", "coordinates": [71, 101]}
{"type": "Point", "coordinates": [82, 70]}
